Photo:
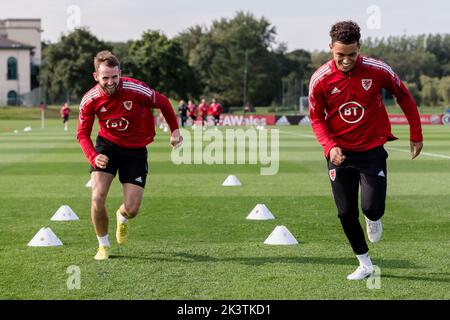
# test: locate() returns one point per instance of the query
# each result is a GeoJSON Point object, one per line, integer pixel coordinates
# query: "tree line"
{"type": "Point", "coordinates": [236, 60]}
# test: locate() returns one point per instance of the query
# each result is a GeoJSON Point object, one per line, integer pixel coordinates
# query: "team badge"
{"type": "Point", "coordinates": [366, 83]}
{"type": "Point", "coordinates": [332, 174]}
{"type": "Point", "coordinates": [128, 105]}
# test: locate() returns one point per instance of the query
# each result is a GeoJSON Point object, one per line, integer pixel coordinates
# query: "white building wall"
{"type": "Point", "coordinates": [23, 83]}
{"type": "Point", "coordinates": [27, 31]}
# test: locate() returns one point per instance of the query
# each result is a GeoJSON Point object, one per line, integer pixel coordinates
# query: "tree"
{"type": "Point", "coordinates": [160, 63]}
{"type": "Point", "coordinates": [67, 65]}
{"type": "Point", "coordinates": [429, 93]}
{"type": "Point", "coordinates": [415, 92]}
{"type": "Point", "coordinates": [227, 50]}
{"type": "Point", "coordinates": [444, 90]}
{"type": "Point", "coordinates": [189, 39]}
{"type": "Point", "coordinates": [121, 51]}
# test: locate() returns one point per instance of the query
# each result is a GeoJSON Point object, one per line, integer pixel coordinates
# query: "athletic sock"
{"type": "Point", "coordinates": [122, 219]}
{"type": "Point", "coordinates": [364, 259]}
{"type": "Point", "coordinates": [103, 241]}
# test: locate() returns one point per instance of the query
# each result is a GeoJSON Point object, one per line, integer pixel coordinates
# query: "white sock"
{"type": "Point", "coordinates": [103, 241]}
{"type": "Point", "coordinates": [364, 259]}
{"type": "Point", "coordinates": [122, 219]}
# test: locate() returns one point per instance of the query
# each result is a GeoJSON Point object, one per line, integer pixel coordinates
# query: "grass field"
{"type": "Point", "coordinates": [191, 239]}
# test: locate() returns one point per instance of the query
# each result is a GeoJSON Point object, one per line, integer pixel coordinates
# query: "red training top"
{"type": "Point", "coordinates": [125, 117]}
{"type": "Point", "coordinates": [347, 109]}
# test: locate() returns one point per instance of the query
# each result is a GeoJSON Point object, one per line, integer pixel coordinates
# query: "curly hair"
{"type": "Point", "coordinates": [346, 32]}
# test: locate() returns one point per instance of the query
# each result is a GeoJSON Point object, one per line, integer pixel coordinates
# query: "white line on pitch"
{"type": "Point", "coordinates": [298, 134]}
{"type": "Point", "coordinates": [422, 153]}
{"type": "Point", "coordinates": [436, 155]}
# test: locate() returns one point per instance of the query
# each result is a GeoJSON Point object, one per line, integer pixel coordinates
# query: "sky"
{"type": "Point", "coordinates": [299, 24]}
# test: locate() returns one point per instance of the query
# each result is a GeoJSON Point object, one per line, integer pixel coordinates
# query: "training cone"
{"type": "Point", "coordinates": [231, 181]}
{"type": "Point", "coordinates": [281, 236]}
{"type": "Point", "coordinates": [89, 183]}
{"type": "Point", "coordinates": [45, 238]}
{"type": "Point", "coordinates": [64, 213]}
{"type": "Point", "coordinates": [260, 212]}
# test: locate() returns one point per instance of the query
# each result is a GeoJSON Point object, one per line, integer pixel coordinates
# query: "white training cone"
{"type": "Point", "coordinates": [281, 235]}
{"type": "Point", "coordinates": [231, 181]}
{"type": "Point", "coordinates": [89, 183]}
{"type": "Point", "coordinates": [45, 238]}
{"type": "Point", "coordinates": [260, 212]}
{"type": "Point", "coordinates": [64, 213]}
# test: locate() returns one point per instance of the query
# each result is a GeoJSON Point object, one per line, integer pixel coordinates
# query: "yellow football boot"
{"type": "Point", "coordinates": [121, 231]}
{"type": "Point", "coordinates": [102, 253]}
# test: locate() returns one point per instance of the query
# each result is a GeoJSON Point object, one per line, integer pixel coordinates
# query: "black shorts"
{"type": "Point", "coordinates": [65, 118]}
{"type": "Point", "coordinates": [367, 170]}
{"type": "Point", "coordinates": [130, 162]}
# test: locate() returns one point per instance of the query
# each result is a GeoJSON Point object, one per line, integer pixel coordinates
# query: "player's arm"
{"type": "Point", "coordinates": [164, 105]}
{"type": "Point", "coordinates": [85, 122]}
{"type": "Point", "coordinates": [409, 108]}
{"type": "Point", "coordinates": [317, 115]}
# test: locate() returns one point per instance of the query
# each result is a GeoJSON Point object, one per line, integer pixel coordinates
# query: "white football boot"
{"type": "Point", "coordinates": [361, 272]}
{"type": "Point", "coordinates": [374, 230]}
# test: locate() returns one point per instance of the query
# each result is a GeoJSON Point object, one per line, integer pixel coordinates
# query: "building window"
{"type": "Point", "coordinates": [12, 68]}
{"type": "Point", "coordinates": [12, 98]}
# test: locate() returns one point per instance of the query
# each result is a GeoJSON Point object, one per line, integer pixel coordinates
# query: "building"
{"type": "Point", "coordinates": [20, 58]}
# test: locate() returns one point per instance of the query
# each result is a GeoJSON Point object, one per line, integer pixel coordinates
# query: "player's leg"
{"type": "Point", "coordinates": [101, 182]}
{"type": "Point", "coordinates": [345, 186]}
{"type": "Point", "coordinates": [132, 199]}
{"type": "Point", "coordinates": [133, 175]}
{"type": "Point", "coordinates": [373, 193]}
{"type": "Point", "coordinates": [216, 121]}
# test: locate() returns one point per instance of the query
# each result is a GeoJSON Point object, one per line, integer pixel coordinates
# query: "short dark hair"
{"type": "Point", "coordinates": [347, 32]}
{"type": "Point", "coordinates": [107, 57]}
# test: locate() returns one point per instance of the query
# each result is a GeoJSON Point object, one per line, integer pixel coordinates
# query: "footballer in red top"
{"type": "Point", "coordinates": [123, 107]}
{"type": "Point", "coordinates": [215, 109]}
{"type": "Point", "coordinates": [125, 117]}
{"type": "Point", "coordinates": [203, 108]}
{"type": "Point", "coordinates": [347, 109]}
{"type": "Point", "coordinates": [350, 121]}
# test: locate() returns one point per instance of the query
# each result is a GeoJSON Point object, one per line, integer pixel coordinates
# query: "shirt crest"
{"type": "Point", "coordinates": [366, 83]}
{"type": "Point", "coordinates": [128, 105]}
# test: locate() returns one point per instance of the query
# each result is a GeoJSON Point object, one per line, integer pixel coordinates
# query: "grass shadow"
{"type": "Point", "coordinates": [258, 261]}
{"type": "Point", "coordinates": [444, 279]}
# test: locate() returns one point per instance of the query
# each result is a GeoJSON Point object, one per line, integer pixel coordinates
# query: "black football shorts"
{"type": "Point", "coordinates": [131, 163]}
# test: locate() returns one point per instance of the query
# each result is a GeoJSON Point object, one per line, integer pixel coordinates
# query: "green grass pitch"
{"type": "Point", "coordinates": [191, 239]}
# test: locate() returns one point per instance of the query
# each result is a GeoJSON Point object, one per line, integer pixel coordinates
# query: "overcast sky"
{"type": "Point", "coordinates": [300, 24]}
